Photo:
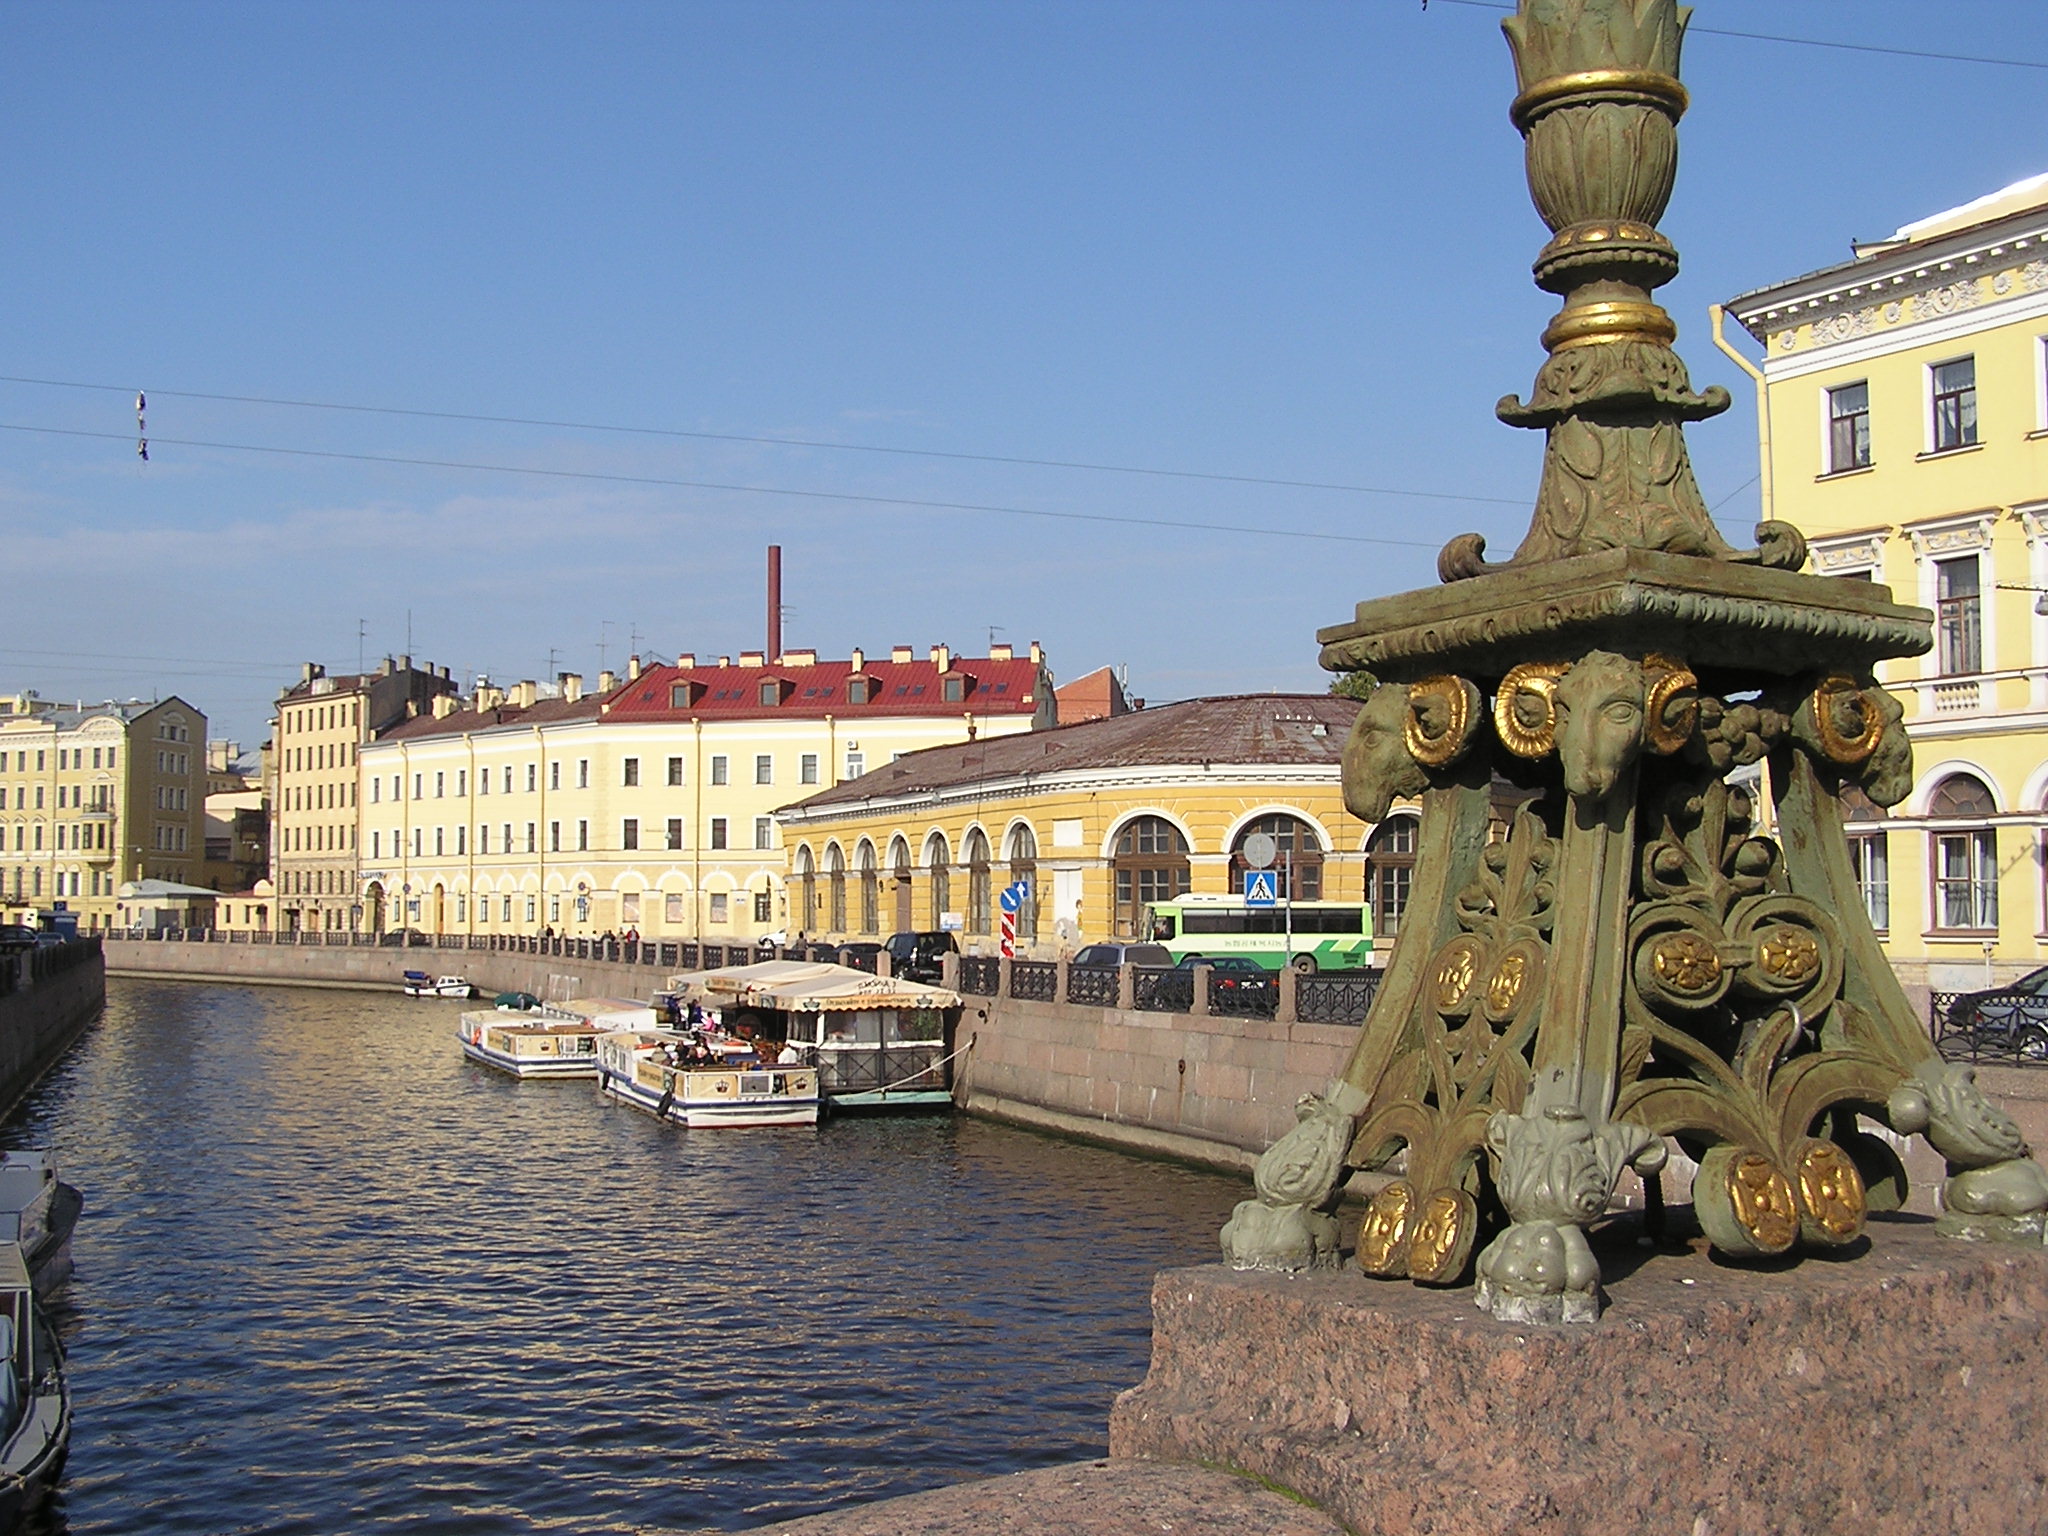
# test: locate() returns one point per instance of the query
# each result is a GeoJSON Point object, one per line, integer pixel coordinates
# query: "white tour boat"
{"type": "Point", "coordinates": [552, 1040]}
{"type": "Point", "coordinates": [649, 1069]}
{"type": "Point", "coordinates": [878, 1042]}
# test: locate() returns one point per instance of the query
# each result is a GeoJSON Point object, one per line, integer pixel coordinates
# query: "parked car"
{"type": "Point", "coordinates": [918, 956]}
{"type": "Point", "coordinates": [1236, 985]}
{"type": "Point", "coordinates": [2009, 1022]}
{"type": "Point", "coordinates": [1122, 954]}
{"type": "Point", "coordinates": [17, 936]}
{"type": "Point", "coordinates": [861, 955]}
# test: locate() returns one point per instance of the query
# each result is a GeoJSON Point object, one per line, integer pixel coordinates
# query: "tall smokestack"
{"type": "Point", "coordinates": [774, 604]}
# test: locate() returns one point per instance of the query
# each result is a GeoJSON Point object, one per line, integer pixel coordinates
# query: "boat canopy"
{"type": "Point", "coordinates": [610, 1012]}
{"type": "Point", "coordinates": [807, 986]}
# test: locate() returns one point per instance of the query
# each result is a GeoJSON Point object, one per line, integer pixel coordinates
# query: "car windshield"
{"type": "Point", "coordinates": [2033, 983]}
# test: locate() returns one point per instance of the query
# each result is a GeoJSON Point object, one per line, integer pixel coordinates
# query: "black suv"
{"type": "Point", "coordinates": [918, 956]}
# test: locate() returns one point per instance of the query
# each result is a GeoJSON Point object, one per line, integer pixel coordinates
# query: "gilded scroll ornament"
{"type": "Point", "coordinates": [1830, 1194]}
{"type": "Point", "coordinates": [1383, 1236]}
{"type": "Point", "coordinates": [1671, 704]}
{"type": "Point", "coordinates": [1525, 708]}
{"type": "Point", "coordinates": [1442, 1239]}
{"type": "Point", "coordinates": [1848, 722]}
{"type": "Point", "coordinates": [1516, 976]}
{"type": "Point", "coordinates": [1443, 712]}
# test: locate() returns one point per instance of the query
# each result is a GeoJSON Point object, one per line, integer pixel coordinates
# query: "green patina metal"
{"type": "Point", "coordinates": [1634, 961]}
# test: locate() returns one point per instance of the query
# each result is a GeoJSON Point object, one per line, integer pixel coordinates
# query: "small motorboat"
{"type": "Point", "coordinates": [420, 984]}
{"type": "Point", "coordinates": [650, 1070]}
{"type": "Point", "coordinates": [35, 1402]}
{"type": "Point", "coordinates": [515, 1002]}
{"type": "Point", "coordinates": [40, 1211]}
{"type": "Point", "coordinates": [549, 1040]}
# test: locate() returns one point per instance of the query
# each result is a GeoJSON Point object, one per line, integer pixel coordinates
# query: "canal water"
{"type": "Point", "coordinates": [331, 1277]}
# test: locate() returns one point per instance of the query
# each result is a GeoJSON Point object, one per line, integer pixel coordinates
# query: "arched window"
{"type": "Point", "coordinates": [899, 865]}
{"type": "Point", "coordinates": [1964, 858]}
{"type": "Point", "coordinates": [835, 887]}
{"type": "Point", "coordinates": [1024, 867]}
{"type": "Point", "coordinates": [936, 857]}
{"type": "Point", "coordinates": [1151, 864]}
{"type": "Point", "coordinates": [870, 895]}
{"type": "Point", "coordinates": [1389, 875]}
{"type": "Point", "coordinates": [979, 905]}
{"type": "Point", "coordinates": [807, 890]}
{"type": "Point", "coordinates": [1300, 853]}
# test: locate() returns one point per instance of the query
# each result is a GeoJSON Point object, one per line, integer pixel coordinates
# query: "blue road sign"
{"type": "Point", "coordinates": [1261, 888]}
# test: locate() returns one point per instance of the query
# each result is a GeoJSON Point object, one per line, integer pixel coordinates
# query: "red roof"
{"type": "Point", "coordinates": [895, 688]}
{"type": "Point", "coordinates": [541, 712]}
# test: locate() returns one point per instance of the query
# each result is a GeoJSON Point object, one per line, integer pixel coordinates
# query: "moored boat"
{"type": "Point", "coordinates": [878, 1042]}
{"type": "Point", "coordinates": [42, 1210]}
{"type": "Point", "coordinates": [650, 1070]}
{"type": "Point", "coordinates": [420, 984]}
{"type": "Point", "coordinates": [552, 1040]}
{"type": "Point", "coordinates": [35, 1401]}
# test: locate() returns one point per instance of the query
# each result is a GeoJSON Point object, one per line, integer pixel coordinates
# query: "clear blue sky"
{"type": "Point", "coordinates": [1265, 239]}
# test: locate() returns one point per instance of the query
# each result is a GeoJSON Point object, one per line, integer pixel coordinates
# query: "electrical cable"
{"type": "Point", "coordinates": [753, 490]}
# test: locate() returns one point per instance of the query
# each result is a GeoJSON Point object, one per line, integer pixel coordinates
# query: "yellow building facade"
{"type": "Point", "coordinates": [1906, 402]}
{"type": "Point", "coordinates": [649, 807]}
{"type": "Point", "coordinates": [93, 796]}
{"type": "Point", "coordinates": [1100, 819]}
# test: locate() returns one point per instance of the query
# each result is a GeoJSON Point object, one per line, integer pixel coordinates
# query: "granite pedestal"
{"type": "Point", "coordinates": [1898, 1387]}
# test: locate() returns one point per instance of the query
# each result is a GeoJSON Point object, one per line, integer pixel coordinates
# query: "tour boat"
{"type": "Point", "coordinates": [35, 1402]}
{"type": "Point", "coordinates": [420, 984]}
{"type": "Point", "coordinates": [878, 1042]}
{"type": "Point", "coordinates": [551, 1040]}
{"type": "Point", "coordinates": [38, 1211]}
{"type": "Point", "coordinates": [646, 1069]}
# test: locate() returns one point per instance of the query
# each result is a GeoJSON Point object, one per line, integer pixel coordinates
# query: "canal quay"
{"type": "Point", "coordinates": [333, 1278]}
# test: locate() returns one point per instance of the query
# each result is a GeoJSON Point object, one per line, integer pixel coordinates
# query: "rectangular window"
{"type": "Point", "coordinates": [764, 907]}
{"type": "Point", "coordinates": [439, 784]}
{"type": "Point", "coordinates": [419, 786]}
{"type": "Point", "coordinates": [555, 775]}
{"type": "Point", "coordinates": [718, 831]}
{"type": "Point", "coordinates": [582, 836]}
{"type": "Point", "coordinates": [675, 831]}
{"type": "Point", "coordinates": [764, 832]}
{"type": "Point", "coordinates": [629, 833]}
{"type": "Point", "coordinates": [1954, 388]}
{"type": "Point", "coordinates": [439, 848]}
{"type": "Point", "coordinates": [718, 769]}
{"type": "Point", "coordinates": [1849, 427]}
{"type": "Point", "coordinates": [532, 771]}
{"type": "Point", "coordinates": [529, 837]}
{"type": "Point", "coordinates": [583, 773]}
{"type": "Point", "coordinates": [807, 768]}
{"type": "Point", "coordinates": [483, 787]}
{"type": "Point", "coordinates": [505, 844]}
{"type": "Point", "coordinates": [720, 903]}
{"type": "Point", "coordinates": [672, 909]}
{"type": "Point", "coordinates": [856, 764]}
{"type": "Point", "coordinates": [770, 693]}
{"type": "Point", "coordinates": [675, 771]}
{"type": "Point", "coordinates": [1868, 858]}
{"type": "Point", "coordinates": [483, 837]}
{"type": "Point", "coordinates": [462, 838]}
{"type": "Point", "coordinates": [376, 845]}
{"type": "Point", "coordinates": [461, 783]}
{"type": "Point", "coordinates": [375, 786]}
{"type": "Point", "coordinates": [416, 835]}
{"type": "Point", "coordinates": [629, 773]}
{"type": "Point", "coordinates": [554, 837]}
{"type": "Point", "coordinates": [856, 690]}
{"type": "Point", "coordinates": [1966, 879]}
{"type": "Point", "coordinates": [1958, 616]}
{"type": "Point", "coordinates": [764, 768]}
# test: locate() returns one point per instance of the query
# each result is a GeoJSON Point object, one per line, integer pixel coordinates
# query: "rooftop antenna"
{"type": "Point", "coordinates": [603, 643]}
{"type": "Point", "coordinates": [553, 652]}
{"type": "Point", "coordinates": [362, 630]}
{"type": "Point", "coordinates": [993, 631]}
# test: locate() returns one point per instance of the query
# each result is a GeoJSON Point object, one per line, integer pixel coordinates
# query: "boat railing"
{"type": "Point", "coordinates": [864, 1068]}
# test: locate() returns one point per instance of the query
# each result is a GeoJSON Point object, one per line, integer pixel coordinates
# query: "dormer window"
{"type": "Point", "coordinates": [957, 686]}
{"type": "Point", "coordinates": [683, 695]}
{"type": "Point", "coordinates": [857, 690]}
{"type": "Point", "coordinates": [770, 693]}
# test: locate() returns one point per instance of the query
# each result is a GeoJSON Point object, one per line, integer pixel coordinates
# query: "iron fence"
{"type": "Point", "coordinates": [1093, 985]}
{"type": "Point", "coordinates": [980, 975]}
{"type": "Point", "coordinates": [2008, 1028]}
{"type": "Point", "coordinates": [1036, 981]}
{"type": "Point", "coordinates": [1335, 997]}
{"type": "Point", "coordinates": [1152, 991]}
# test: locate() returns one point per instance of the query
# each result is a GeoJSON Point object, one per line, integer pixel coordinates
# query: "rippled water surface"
{"type": "Point", "coordinates": [333, 1278]}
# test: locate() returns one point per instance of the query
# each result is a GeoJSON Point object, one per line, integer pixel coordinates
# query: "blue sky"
{"type": "Point", "coordinates": [1283, 241]}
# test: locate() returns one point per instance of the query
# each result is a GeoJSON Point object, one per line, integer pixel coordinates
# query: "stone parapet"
{"type": "Point", "coordinates": [1894, 1395]}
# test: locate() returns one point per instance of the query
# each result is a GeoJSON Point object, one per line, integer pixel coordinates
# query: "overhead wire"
{"type": "Point", "coordinates": [919, 503]}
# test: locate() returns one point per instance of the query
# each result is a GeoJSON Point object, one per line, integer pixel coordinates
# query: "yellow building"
{"type": "Point", "coordinates": [1101, 819]}
{"type": "Point", "coordinates": [1906, 401]}
{"type": "Point", "coordinates": [94, 796]}
{"type": "Point", "coordinates": [649, 807]}
{"type": "Point", "coordinates": [320, 727]}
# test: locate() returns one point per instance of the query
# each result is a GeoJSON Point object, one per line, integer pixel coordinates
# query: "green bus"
{"type": "Point", "coordinates": [1309, 935]}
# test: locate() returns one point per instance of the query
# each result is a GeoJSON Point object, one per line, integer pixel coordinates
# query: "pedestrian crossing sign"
{"type": "Point", "coordinates": [1261, 888]}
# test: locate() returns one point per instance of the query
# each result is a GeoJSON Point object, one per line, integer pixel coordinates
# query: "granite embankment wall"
{"type": "Point", "coordinates": [47, 996]}
{"type": "Point", "coordinates": [379, 969]}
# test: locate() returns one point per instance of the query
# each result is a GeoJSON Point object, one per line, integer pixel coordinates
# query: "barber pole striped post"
{"type": "Point", "coordinates": [1014, 896]}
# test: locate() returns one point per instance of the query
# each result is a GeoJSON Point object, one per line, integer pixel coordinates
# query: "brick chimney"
{"type": "Point", "coordinates": [572, 686]}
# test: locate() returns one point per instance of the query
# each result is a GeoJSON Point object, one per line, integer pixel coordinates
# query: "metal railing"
{"type": "Point", "coordinates": [981, 975]}
{"type": "Point", "coordinates": [2008, 1028]}
{"type": "Point", "coordinates": [1148, 993]}
{"type": "Point", "coordinates": [1093, 985]}
{"type": "Point", "coordinates": [1335, 997]}
{"type": "Point", "coordinates": [1035, 981]}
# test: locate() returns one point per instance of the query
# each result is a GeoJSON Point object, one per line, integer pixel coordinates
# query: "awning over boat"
{"type": "Point", "coordinates": [612, 1012]}
{"type": "Point", "coordinates": [808, 986]}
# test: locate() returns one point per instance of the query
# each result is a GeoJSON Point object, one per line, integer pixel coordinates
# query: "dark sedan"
{"type": "Point", "coordinates": [2000, 1022]}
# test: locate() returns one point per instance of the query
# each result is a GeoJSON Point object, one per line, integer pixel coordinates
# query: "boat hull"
{"type": "Point", "coordinates": [529, 1066]}
{"type": "Point", "coordinates": [702, 1111]}
{"type": "Point", "coordinates": [34, 1451]}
